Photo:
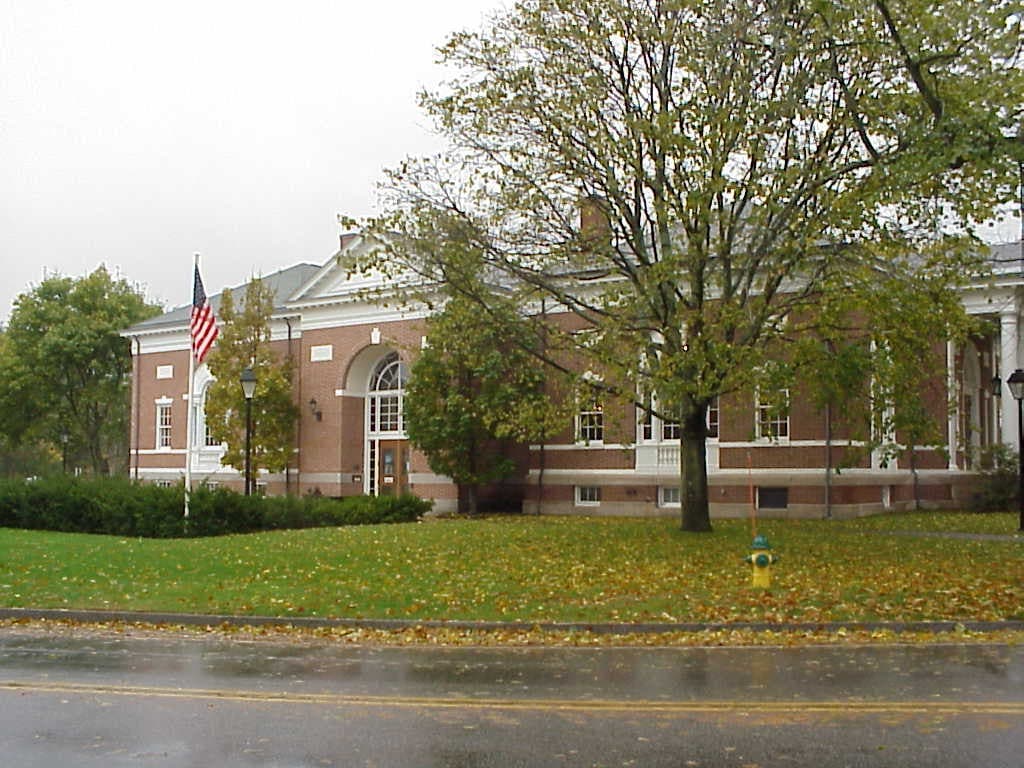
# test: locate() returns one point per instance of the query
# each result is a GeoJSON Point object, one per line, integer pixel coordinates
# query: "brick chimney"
{"type": "Point", "coordinates": [595, 229]}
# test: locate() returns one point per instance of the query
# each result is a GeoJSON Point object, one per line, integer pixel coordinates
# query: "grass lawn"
{"type": "Point", "coordinates": [538, 569]}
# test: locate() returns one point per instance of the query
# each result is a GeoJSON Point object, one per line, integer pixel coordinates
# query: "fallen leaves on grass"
{"type": "Point", "coordinates": [529, 569]}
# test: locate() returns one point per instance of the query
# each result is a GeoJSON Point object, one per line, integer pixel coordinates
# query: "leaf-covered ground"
{"type": "Point", "coordinates": [531, 569]}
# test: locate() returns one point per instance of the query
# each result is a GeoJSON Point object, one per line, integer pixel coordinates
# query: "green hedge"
{"type": "Point", "coordinates": [123, 508]}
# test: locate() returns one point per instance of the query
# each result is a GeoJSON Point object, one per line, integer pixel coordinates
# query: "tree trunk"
{"type": "Point", "coordinates": [693, 470]}
{"type": "Point", "coordinates": [472, 499]}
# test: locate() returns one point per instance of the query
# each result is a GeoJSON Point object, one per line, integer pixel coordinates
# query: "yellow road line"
{"type": "Point", "coordinates": [838, 706]}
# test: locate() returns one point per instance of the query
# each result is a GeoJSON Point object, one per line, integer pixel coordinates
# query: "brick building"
{"type": "Point", "coordinates": [353, 354]}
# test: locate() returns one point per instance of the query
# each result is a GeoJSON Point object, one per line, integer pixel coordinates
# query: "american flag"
{"type": "Point", "coordinates": [202, 324]}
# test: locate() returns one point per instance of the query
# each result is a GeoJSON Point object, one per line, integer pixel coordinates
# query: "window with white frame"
{"type": "Point", "coordinates": [713, 418]}
{"type": "Point", "coordinates": [590, 422]}
{"type": "Point", "coordinates": [647, 426]}
{"type": "Point", "coordinates": [163, 425]}
{"type": "Point", "coordinates": [387, 388]}
{"type": "Point", "coordinates": [671, 430]}
{"type": "Point", "coordinates": [772, 415]}
{"type": "Point", "coordinates": [588, 495]}
{"type": "Point", "coordinates": [646, 418]}
{"type": "Point", "coordinates": [668, 496]}
{"type": "Point", "coordinates": [208, 439]}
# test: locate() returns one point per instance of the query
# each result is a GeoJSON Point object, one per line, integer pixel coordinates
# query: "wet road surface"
{"type": "Point", "coordinates": [113, 701]}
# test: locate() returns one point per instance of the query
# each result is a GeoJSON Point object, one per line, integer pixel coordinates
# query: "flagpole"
{"type": "Point", "coordinates": [189, 416]}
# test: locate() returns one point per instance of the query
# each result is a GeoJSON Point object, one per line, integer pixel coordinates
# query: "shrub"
{"type": "Point", "coordinates": [997, 485]}
{"type": "Point", "coordinates": [120, 507]}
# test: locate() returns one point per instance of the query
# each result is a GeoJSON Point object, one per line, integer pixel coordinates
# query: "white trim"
{"type": "Point", "coordinates": [165, 371]}
{"type": "Point", "coordinates": [424, 478]}
{"type": "Point", "coordinates": [593, 445]}
{"type": "Point", "coordinates": [720, 444]}
{"type": "Point", "coordinates": [1009, 360]}
{"type": "Point", "coordinates": [767, 476]}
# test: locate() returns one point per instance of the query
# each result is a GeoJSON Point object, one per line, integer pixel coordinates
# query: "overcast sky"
{"type": "Point", "coordinates": [135, 133]}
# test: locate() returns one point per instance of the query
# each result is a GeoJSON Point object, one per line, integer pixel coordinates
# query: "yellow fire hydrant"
{"type": "Point", "coordinates": [762, 560]}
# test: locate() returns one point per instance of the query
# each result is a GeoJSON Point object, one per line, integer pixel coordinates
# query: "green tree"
{"type": "Point", "coordinates": [65, 369]}
{"type": "Point", "coordinates": [244, 342]}
{"type": "Point", "coordinates": [740, 162]}
{"type": "Point", "coordinates": [474, 390]}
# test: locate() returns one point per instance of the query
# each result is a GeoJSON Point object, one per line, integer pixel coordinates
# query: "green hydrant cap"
{"type": "Point", "coordinates": [760, 542]}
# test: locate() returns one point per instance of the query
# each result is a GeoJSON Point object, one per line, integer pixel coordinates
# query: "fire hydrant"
{"type": "Point", "coordinates": [762, 560]}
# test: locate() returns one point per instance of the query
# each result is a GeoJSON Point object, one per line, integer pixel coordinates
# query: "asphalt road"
{"type": "Point", "coordinates": [185, 701]}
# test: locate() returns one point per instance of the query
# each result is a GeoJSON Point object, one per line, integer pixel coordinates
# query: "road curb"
{"type": "Point", "coordinates": [622, 628]}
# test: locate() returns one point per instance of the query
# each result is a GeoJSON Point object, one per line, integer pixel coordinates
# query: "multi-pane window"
{"type": "Point", "coordinates": [386, 392]}
{"type": "Point", "coordinates": [209, 440]}
{"type": "Point", "coordinates": [668, 496]}
{"type": "Point", "coordinates": [670, 430]}
{"type": "Point", "coordinates": [388, 414]}
{"type": "Point", "coordinates": [163, 425]}
{"type": "Point", "coordinates": [590, 423]}
{"type": "Point", "coordinates": [647, 426]}
{"type": "Point", "coordinates": [588, 495]}
{"type": "Point", "coordinates": [713, 416]}
{"type": "Point", "coordinates": [772, 415]}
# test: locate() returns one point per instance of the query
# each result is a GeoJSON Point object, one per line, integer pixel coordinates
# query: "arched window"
{"type": "Point", "coordinates": [387, 385]}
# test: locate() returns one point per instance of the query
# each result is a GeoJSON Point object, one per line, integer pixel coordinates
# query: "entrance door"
{"type": "Point", "coordinates": [392, 468]}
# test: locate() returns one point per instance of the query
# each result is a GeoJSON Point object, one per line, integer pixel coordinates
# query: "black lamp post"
{"type": "Point", "coordinates": [1016, 385]}
{"type": "Point", "coordinates": [248, 382]}
{"type": "Point", "coordinates": [64, 437]}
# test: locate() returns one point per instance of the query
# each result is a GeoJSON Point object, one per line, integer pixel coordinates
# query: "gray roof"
{"type": "Point", "coordinates": [283, 283]}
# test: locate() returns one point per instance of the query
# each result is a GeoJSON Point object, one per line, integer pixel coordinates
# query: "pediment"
{"type": "Point", "coordinates": [336, 280]}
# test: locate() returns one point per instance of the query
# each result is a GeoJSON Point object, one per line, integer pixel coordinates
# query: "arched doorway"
{"type": "Point", "coordinates": [387, 448]}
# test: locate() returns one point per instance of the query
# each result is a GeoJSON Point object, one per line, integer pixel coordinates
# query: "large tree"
{"type": "Point", "coordinates": [244, 342]}
{"type": "Point", "coordinates": [64, 367]}
{"type": "Point", "coordinates": [742, 165]}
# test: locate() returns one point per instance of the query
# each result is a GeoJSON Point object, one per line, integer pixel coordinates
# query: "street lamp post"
{"type": "Point", "coordinates": [248, 382]}
{"type": "Point", "coordinates": [1016, 384]}
{"type": "Point", "coordinates": [64, 437]}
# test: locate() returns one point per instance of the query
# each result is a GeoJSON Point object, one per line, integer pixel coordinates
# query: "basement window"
{"type": "Point", "coordinates": [668, 496]}
{"type": "Point", "coordinates": [772, 498]}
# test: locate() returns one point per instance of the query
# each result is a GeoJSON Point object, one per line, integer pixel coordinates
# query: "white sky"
{"type": "Point", "coordinates": [135, 133]}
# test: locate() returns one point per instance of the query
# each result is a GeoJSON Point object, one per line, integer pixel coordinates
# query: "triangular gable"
{"type": "Point", "coordinates": [334, 281]}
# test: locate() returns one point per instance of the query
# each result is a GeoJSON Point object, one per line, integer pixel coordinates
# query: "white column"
{"type": "Point", "coordinates": [1009, 355]}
